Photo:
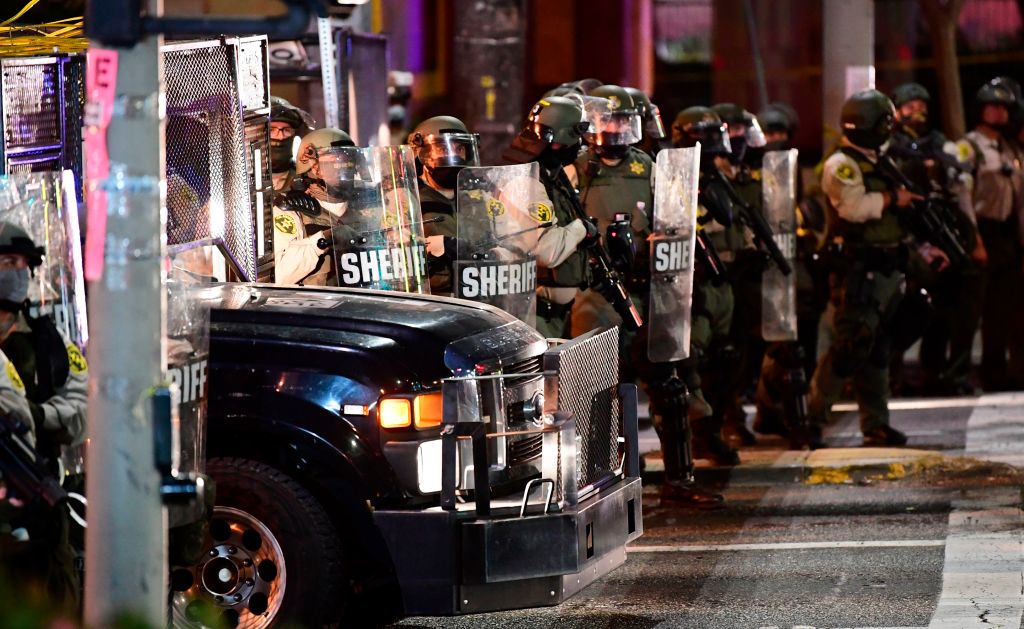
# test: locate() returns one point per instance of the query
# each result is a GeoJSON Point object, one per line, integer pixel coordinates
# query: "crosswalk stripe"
{"type": "Point", "coordinates": [984, 558]}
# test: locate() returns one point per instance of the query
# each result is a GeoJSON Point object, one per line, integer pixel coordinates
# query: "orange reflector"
{"type": "Point", "coordinates": [427, 409]}
{"type": "Point", "coordinates": [395, 413]}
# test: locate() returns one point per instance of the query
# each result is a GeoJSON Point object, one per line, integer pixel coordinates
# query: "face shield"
{"type": "Point", "coordinates": [714, 138]}
{"type": "Point", "coordinates": [342, 171]}
{"type": "Point", "coordinates": [653, 125]}
{"type": "Point", "coordinates": [609, 127]}
{"type": "Point", "coordinates": [445, 154]}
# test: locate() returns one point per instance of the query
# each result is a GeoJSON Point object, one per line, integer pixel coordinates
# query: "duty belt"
{"type": "Point", "coordinates": [548, 309]}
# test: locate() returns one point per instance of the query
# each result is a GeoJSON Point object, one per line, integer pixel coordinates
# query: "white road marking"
{"type": "Point", "coordinates": [703, 548]}
{"type": "Point", "coordinates": [983, 575]}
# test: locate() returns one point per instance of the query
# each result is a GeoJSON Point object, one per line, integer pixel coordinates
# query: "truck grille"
{"type": "Point", "coordinates": [587, 386]}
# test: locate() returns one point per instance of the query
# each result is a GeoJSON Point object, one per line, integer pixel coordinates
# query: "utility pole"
{"type": "Point", "coordinates": [126, 545]}
{"type": "Point", "coordinates": [848, 65]}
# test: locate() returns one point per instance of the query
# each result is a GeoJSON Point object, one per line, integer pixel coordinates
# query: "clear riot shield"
{"type": "Point", "coordinates": [45, 206]}
{"type": "Point", "coordinates": [190, 272]}
{"type": "Point", "coordinates": [672, 243]}
{"type": "Point", "coordinates": [378, 229]}
{"type": "Point", "coordinates": [778, 291]}
{"type": "Point", "coordinates": [502, 211]}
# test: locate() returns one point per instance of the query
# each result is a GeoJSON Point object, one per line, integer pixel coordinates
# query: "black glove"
{"type": "Point", "coordinates": [593, 236]}
{"type": "Point", "coordinates": [296, 201]}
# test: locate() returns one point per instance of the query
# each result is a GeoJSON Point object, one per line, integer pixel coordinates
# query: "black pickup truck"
{"type": "Point", "coordinates": [379, 454]}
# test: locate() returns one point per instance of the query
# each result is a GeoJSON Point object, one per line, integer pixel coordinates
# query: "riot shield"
{"type": "Point", "coordinates": [45, 206]}
{"type": "Point", "coordinates": [377, 230]}
{"type": "Point", "coordinates": [778, 291]}
{"type": "Point", "coordinates": [190, 272]}
{"type": "Point", "coordinates": [672, 244]}
{"type": "Point", "coordinates": [502, 212]}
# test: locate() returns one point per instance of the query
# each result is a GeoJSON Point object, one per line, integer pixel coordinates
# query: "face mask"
{"type": "Point", "coordinates": [13, 288]}
{"type": "Point", "coordinates": [738, 145]}
{"type": "Point", "coordinates": [918, 123]}
{"type": "Point", "coordinates": [612, 151]}
{"type": "Point", "coordinates": [776, 145]}
{"type": "Point", "coordinates": [281, 155]}
{"type": "Point", "coordinates": [552, 159]}
{"type": "Point", "coordinates": [446, 176]}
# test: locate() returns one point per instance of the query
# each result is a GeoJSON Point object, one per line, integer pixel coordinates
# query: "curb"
{"type": "Point", "coordinates": [820, 467]}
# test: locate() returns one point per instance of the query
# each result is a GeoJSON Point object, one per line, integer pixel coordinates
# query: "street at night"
{"type": "Point", "coordinates": [879, 538]}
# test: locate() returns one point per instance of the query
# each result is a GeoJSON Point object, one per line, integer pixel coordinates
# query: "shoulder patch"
{"type": "Point", "coordinates": [845, 173]}
{"type": "Point", "coordinates": [12, 373]}
{"type": "Point", "coordinates": [495, 208]}
{"type": "Point", "coordinates": [636, 167]}
{"type": "Point", "coordinates": [541, 212]}
{"type": "Point", "coordinates": [76, 361]}
{"type": "Point", "coordinates": [285, 224]}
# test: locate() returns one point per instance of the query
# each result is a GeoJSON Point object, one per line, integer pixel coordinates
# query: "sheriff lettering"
{"type": "Point", "coordinates": [359, 268]}
{"type": "Point", "coordinates": [482, 280]}
{"type": "Point", "coordinates": [672, 254]}
{"type": "Point", "coordinates": [190, 377]}
{"type": "Point", "coordinates": [787, 244]}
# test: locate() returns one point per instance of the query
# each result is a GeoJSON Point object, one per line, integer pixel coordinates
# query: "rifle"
{"type": "Point", "coordinates": [753, 218]}
{"type": "Point", "coordinates": [606, 279]}
{"type": "Point", "coordinates": [924, 222]}
{"type": "Point", "coordinates": [708, 255]}
{"type": "Point", "coordinates": [22, 471]}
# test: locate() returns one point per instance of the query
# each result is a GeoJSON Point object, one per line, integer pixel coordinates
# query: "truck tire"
{"type": "Point", "coordinates": [271, 556]}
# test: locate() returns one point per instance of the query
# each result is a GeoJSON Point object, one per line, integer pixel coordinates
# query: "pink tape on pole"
{"type": "Point", "coordinates": [100, 84]}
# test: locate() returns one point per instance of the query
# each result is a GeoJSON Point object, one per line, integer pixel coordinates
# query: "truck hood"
{"type": "Point", "coordinates": [449, 334]}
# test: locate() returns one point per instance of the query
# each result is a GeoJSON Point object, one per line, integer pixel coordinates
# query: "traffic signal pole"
{"type": "Point", "coordinates": [126, 540]}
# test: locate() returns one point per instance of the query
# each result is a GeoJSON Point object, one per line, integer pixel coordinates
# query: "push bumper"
{"type": "Point", "coordinates": [453, 562]}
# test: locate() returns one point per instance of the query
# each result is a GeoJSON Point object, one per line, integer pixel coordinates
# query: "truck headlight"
{"type": "Point", "coordinates": [402, 411]}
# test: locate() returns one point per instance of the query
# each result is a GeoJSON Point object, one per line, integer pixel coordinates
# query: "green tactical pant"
{"type": "Point", "coordinates": [864, 303]}
{"type": "Point", "coordinates": [553, 326]}
{"type": "Point", "coordinates": [712, 315]}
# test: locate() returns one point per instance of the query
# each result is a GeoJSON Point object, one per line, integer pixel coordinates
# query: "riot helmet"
{"type": "Point", "coordinates": [911, 101]}
{"type": "Point", "coordinates": [552, 134]}
{"type": "Point", "coordinates": [1016, 110]}
{"type": "Point", "coordinates": [995, 102]}
{"type": "Point", "coordinates": [701, 124]}
{"type": "Point", "coordinates": [867, 119]}
{"type": "Point", "coordinates": [614, 121]}
{"type": "Point", "coordinates": [328, 164]}
{"type": "Point", "coordinates": [745, 136]}
{"type": "Point", "coordinates": [650, 115]}
{"type": "Point", "coordinates": [288, 124]}
{"type": "Point", "coordinates": [444, 146]}
{"type": "Point", "coordinates": [779, 122]}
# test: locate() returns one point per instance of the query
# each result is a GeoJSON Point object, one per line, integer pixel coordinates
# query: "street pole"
{"type": "Point", "coordinates": [126, 546]}
{"type": "Point", "coordinates": [848, 65]}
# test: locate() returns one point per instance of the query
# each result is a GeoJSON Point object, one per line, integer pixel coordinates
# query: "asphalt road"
{"type": "Point", "coordinates": [905, 553]}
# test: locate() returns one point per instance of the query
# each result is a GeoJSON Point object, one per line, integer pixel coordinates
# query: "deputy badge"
{"type": "Point", "coordinates": [540, 212]}
{"type": "Point", "coordinates": [285, 224]}
{"type": "Point", "coordinates": [75, 360]}
{"type": "Point", "coordinates": [636, 167]}
{"type": "Point", "coordinates": [12, 374]}
{"type": "Point", "coordinates": [845, 172]}
{"type": "Point", "coordinates": [495, 208]}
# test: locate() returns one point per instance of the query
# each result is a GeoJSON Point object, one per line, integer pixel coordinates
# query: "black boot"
{"type": "Point", "coordinates": [708, 443]}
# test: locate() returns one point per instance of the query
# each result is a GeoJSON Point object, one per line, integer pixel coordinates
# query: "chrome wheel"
{"type": "Point", "coordinates": [239, 582]}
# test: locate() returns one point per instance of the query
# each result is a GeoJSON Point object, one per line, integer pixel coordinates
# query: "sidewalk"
{"type": "Point", "coordinates": [997, 438]}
